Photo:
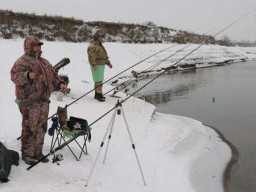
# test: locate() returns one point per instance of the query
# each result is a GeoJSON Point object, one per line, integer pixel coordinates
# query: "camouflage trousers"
{"type": "Point", "coordinates": [34, 127]}
{"type": "Point", "coordinates": [98, 87]}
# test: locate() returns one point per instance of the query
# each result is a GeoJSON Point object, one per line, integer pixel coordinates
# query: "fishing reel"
{"type": "Point", "coordinates": [57, 158]}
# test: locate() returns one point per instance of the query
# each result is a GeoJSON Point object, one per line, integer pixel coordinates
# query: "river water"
{"type": "Point", "coordinates": [222, 97]}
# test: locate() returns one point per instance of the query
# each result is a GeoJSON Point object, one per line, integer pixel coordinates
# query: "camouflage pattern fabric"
{"type": "Point", "coordinates": [32, 96]}
{"type": "Point", "coordinates": [98, 87]}
{"type": "Point", "coordinates": [97, 54]}
{"type": "Point", "coordinates": [34, 127]}
{"type": "Point", "coordinates": [98, 33]}
{"type": "Point", "coordinates": [30, 91]}
{"type": "Point", "coordinates": [29, 42]}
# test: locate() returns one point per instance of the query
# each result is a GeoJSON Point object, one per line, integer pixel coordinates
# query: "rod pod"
{"type": "Point", "coordinates": [118, 111]}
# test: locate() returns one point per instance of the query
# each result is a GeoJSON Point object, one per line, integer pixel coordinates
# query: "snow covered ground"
{"type": "Point", "coordinates": [172, 150]}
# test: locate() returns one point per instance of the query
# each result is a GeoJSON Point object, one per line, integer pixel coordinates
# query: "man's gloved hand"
{"type": "Point", "coordinates": [110, 65]}
{"type": "Point", "coordinates": [63, 88]}
{"type": "Point", "coordinates": [32, 75]}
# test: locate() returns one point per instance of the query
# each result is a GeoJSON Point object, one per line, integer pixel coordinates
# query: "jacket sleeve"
{"type": "Point", "coordinates": [56, 80]}
{"type": "Point", "coordinates": [92, 55]}
{"type": "Point", "coordinates": [19, 73]}
{"type": "Point", "coordinates": [106, 58]}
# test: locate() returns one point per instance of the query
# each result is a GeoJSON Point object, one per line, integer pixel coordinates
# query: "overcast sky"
{"type": "Point", "coordinates": [197, 16]}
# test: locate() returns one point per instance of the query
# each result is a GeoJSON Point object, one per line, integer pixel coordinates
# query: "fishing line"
{"type": "Point", "coordinates": [122, 101]}
{"type": "Point", "coordinates": [110, 79]}
{"type": "Point", "coordinates": [146, 70]}
{"type": "Point", "coordinates": [140, 72]}
{"type": "Point", "coordinates": [185, 56]}
{"type": "Point", "coordinates": [149, 68]}
{"type": "Point", "coordinates": [115, 77]}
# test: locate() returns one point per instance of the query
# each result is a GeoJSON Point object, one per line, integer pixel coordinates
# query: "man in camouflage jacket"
{"type": "Point", "coordinates": [35, 79]}
{"type": "Point", "coordinates": [98, 58]}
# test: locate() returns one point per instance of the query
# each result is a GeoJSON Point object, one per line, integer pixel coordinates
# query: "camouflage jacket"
{"type": "Point", "coordinates": [29, 91]}
{"type": "Point", "coordinates": [97, 54]}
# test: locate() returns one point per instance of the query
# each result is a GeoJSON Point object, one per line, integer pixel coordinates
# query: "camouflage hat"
{"type": "Point", "coordinates": [99, 33]}
{"type": "Point", "coordinates": [29, 42]}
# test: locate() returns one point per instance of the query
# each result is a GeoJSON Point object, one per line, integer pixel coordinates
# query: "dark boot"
{"type": "Point", "coordinates": [45, 160]}
{"type": "Point", "coordinates": [28, 160]}
{"type": "Point", "coordinates": [102, 96]}
{"type": "Point", "coordinates": [99, 97]}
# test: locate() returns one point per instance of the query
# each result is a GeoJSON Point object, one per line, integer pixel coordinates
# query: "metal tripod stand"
{"type": "Point", "coordinates": [118, 111]}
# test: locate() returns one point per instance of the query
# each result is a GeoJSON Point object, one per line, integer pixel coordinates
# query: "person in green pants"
{"type": "Point", "coordinates": [98, 58]}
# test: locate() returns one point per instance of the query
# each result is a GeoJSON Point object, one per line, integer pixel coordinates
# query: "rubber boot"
{"type": "Point", "coordinates": [102, 96]}
{"type": "Point", "coordinates": [99, 97]}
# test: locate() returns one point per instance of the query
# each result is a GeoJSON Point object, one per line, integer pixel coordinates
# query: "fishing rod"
{"type": "Point", "coordinates": [109, 80]}
{"type": "Point", "coordinates": [136, 77]}
{"type": "Point", "coordinates": [149, 68]}
{"type": "Point", "coordinates": [115, 77]}
{"type": "Point", "coordinates": [82, 132]}
{"type": "Point", "coordinates": [160, 74]}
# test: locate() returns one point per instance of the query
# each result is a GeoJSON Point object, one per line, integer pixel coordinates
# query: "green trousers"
{"type": "Point", "coordinates": [98, 77]}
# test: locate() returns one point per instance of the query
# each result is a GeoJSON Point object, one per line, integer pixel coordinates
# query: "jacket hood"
{"type": "Point", "coordinates": [29, 42]}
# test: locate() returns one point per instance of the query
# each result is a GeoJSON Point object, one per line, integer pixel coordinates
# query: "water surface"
{"type": "Point", "coordinates": [223, 97]}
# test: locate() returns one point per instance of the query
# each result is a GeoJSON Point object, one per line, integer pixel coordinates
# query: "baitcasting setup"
{"type": "Point", "coordinates": [118, 106]}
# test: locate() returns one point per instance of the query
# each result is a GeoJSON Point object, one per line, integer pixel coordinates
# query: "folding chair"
{"type": "Point", "coordinates": [63, 129]}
